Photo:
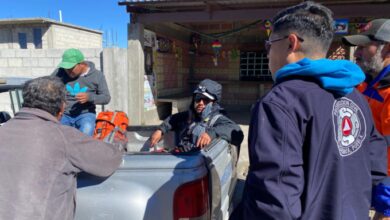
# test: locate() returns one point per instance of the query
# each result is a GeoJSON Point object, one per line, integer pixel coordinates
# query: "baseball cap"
{"type": "Point", "coordinates": [70, 58]}
{"type": "Point", "coordinates": [375, 30]}
{"type": "Point", "coordinates": [209, 89]}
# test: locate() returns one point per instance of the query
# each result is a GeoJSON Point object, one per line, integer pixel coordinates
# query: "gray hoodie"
{"type": "Point", "coordinates": [39, 161]}
{"type": "Point", "coordinates": [93, 83]}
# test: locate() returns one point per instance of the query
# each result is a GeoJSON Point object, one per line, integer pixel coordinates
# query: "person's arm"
{"type": "Point", "coordinates": [102, 96]}
{"type": "Point", "coordinates": [170, 123]}
{"type": "Point", "coordinates": [381, 200]}
{"type": "Point", "coordinates": [381, 191]}
{"type": "Point", "coordinates": [89, 155]}
{"type": "Point", "coordinates": [275, 179]}
{"type": "Point", "coordinates": [227, 130]}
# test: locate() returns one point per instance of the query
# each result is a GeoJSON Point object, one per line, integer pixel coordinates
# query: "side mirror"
{"type": "Point", "coordinates": [4, 117]}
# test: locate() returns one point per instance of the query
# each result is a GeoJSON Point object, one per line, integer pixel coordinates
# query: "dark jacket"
{"type": "Point", "coordinates": [39, 161]}
{"type": "Point", "coordinates": [93, 83]}
{"type": "Point", "coordinates": [314, 153]}
{"type": "Point", "coordinates": [222, 128]}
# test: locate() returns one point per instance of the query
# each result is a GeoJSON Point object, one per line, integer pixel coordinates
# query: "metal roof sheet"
{"type": "Point", "coordinates": [148, 6]}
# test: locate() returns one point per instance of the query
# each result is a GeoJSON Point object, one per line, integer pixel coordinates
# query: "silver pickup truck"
{"type": "Point", "coordinates": [197, 185]}
{"type": "Point", "coordinates": [152, 185]}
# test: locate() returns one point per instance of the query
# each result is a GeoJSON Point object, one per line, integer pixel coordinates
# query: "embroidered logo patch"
{"type": "Point", "coordinates": [349, 126]}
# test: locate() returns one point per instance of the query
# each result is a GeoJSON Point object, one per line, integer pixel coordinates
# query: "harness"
{"type": "Point", "coordinates": [194, 130]}
{"type": "Point", "coordinates": [371, 91]}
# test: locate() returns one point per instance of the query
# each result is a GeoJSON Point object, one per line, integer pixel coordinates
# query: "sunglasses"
{"type": "Point", "coordinates": [199, 98]}
{"type": "Point", "coordinates": [268, 43]}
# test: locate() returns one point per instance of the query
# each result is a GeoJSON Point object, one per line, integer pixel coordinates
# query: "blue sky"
{"type": "Point", "coordinates": [103, 15]}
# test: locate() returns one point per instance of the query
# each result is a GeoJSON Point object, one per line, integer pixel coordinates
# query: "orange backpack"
{"type": "Point", "coordinates": [111, 126]}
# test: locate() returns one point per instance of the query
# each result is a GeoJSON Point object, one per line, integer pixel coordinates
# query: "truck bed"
{"type": "Point", "coordinates": [144, 184]}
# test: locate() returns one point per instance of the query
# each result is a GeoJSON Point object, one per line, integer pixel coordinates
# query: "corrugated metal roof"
{"type": "Point", "coordinates": [148, 6]}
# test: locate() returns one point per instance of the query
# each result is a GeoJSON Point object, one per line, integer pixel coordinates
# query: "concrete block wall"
{"type": "Point", "coordinates": [32, 63]}
{"type": "Point", "coordinates": [9, 36]}
{"type": "Point", "coordinates": [66, 37]}
{"type": "Point", "coordinates": [172, 69]}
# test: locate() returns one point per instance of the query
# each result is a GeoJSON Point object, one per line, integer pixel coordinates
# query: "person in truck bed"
{"type": "Point", "coordinates": [204, 121]}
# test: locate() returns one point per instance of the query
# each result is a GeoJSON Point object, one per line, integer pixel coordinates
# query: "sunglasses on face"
{"type": "Point", "coordinates": [202, 98]}
{"type": "Point", "coordinates": [268, 43]}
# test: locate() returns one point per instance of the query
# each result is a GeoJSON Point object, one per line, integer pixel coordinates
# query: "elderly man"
{"type": "Point", "coordinates": [204, 121]}
{"type": "Point", "coordinates": [40, 158]}
{"type": "Point", "coordinates": [313, 149]}
{"type": "Point", "coordinates": [373, 56]}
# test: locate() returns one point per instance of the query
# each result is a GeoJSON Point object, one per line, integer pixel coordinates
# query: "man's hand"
{"type": "Point", "coordinates": [380, 216]}
{"type": "Point", "coordinates": [82, 97]}
{"type": "Point", "coordinates": [155, 138]}
{"type": "Point", "coordinates": [203, 140]}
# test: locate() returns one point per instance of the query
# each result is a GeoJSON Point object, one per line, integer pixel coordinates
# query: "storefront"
{"type": "Point", "coordinates": [176, 44]}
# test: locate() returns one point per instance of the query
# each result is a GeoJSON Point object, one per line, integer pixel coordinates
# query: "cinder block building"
{"type": "Point", "coordinates": [43, 33]}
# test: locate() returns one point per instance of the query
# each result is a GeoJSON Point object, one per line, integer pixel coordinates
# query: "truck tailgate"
{"type": "Point", "coordinates": [142, 188]}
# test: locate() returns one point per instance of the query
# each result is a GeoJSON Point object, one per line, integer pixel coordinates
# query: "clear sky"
{"type": "Point", "coordinates": [103, 15]}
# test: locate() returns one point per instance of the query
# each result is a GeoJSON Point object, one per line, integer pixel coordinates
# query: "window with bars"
{"type": "Point", "coordinates": [254, 66]}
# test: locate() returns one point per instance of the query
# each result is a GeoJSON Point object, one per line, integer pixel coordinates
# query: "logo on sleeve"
{"type": "Point", "coordinates": [349, 126]}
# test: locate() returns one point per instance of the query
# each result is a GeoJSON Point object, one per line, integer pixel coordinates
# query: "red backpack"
{"type": "Point", "coordinates": [111, 126]}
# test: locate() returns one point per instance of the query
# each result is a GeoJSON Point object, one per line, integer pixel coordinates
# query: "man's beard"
{"type": "Point", "coordinates": [374, 65]}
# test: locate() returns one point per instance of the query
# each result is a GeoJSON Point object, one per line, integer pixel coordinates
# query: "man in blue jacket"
{"type": "Point", "coordinates": [313, 149]}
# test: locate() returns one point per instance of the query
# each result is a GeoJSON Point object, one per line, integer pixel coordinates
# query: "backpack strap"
{"type": "Point", "coordinates": [213, 120]}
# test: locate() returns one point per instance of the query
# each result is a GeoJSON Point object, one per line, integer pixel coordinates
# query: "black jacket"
{"type": "Point", "coordinates": [313, 155]}
{"type": "Point", "coordinates": [222, 128]}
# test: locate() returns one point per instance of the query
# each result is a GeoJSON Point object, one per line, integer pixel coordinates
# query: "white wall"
{"type": "Point", "coordinates": [66, 37]}
{"type": "Point", "coordinates": [53, 36]}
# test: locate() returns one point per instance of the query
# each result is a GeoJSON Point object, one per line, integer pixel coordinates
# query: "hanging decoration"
{"type": "Point", "coordinates": [223, 54]}
{"type": "Point", "coordinates": [267, 27]}
{"type": "Point", "coordinates": [234, 54]}
{"type": "Point", "coordinates": [195, 40]}
{"type": "Point", "coordinates": [175, 50]}
{"type": "Point", "coordinates": [216, 45]}
{"type": "Point", "coordinates": [341, 26]}
{"type": "Point", "coordinates": [359, 27]}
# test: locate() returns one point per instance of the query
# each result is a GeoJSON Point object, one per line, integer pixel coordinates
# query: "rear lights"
{"type": "Point", "coordinates": [191, 200]}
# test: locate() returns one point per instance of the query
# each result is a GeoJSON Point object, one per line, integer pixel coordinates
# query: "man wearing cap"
{"type": "Point", "coordinates": [86, 87]}
{"type": "Point", "coordinates": [373, 56]}
{"type": "Point", "coordinates": [203, 122]}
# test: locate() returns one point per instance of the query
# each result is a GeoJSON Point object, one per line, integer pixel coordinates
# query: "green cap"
{"type": "Point", "coordinates": [70, 58]}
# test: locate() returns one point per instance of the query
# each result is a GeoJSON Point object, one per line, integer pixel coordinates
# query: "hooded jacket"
{"type": "Point", "coordinates": [93, 83]}
{"type": "Point", "coordinates": [377, 93]}
{"type": "Point", "coordinates": [313, 149]}
{"type": "Point", "coordinates": [223, 127]}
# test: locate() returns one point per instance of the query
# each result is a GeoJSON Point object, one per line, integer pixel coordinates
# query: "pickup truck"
{"type": "Point", "coordinates": [156, 185]}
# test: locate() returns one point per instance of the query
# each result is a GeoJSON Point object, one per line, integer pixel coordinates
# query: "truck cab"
{"type": "Point", "coordinates": [11, 96]}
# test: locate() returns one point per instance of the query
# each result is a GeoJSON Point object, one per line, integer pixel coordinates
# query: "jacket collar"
{"type": "Point", "coordinates": [385, 81]}
{"type": "Point", "coordinates": [35, 112]}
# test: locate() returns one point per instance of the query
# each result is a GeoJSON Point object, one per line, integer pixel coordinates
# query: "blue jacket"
{"type": "Point", "coordinates": [313, 149]}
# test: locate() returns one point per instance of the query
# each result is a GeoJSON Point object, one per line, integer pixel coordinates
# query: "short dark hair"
{"type": "Point", "coordinates": [311, 21]}
{"type": "Point", "coordinates": [46, 93]}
